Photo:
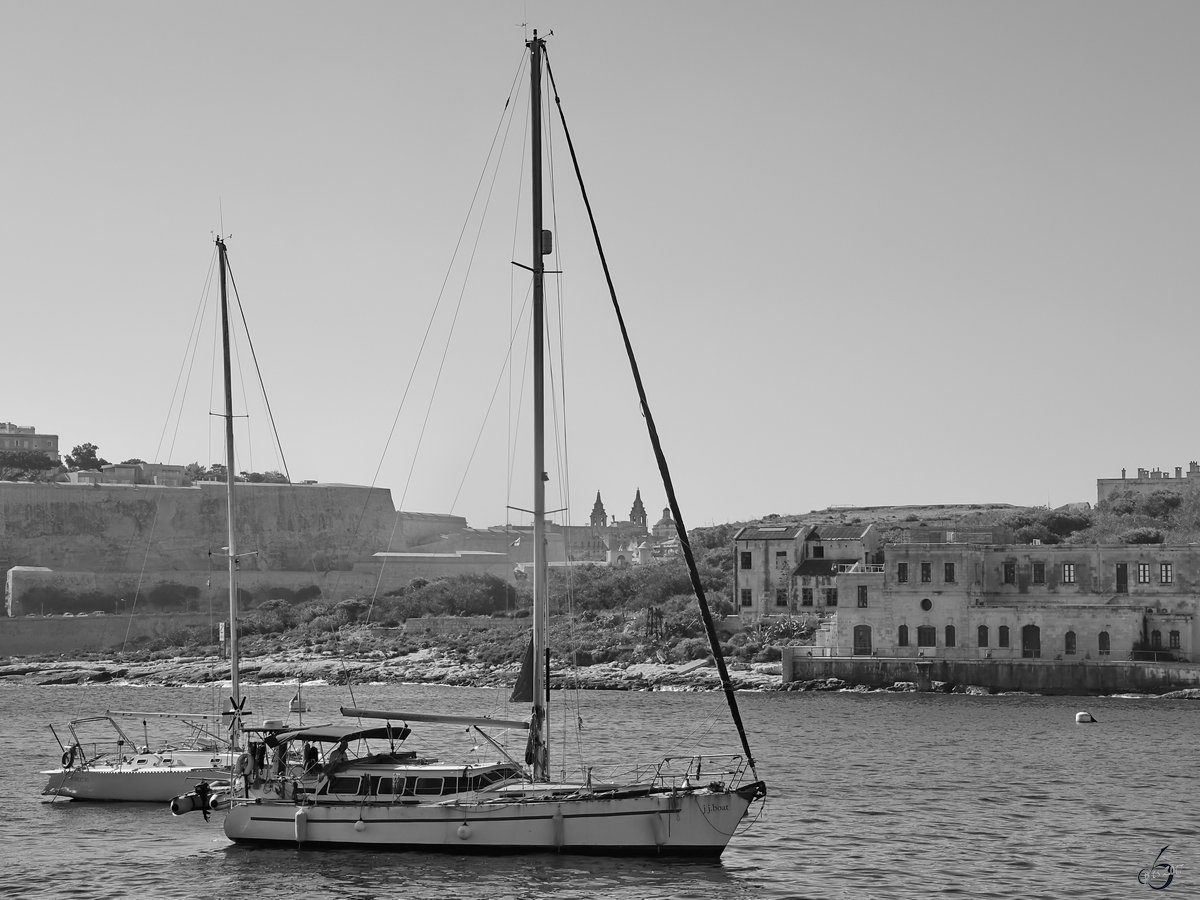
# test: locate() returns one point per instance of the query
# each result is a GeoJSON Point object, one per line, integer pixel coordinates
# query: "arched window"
{"type": "Point", "coordinates": [951, 636]}
{"type": "Point", "coordinates": [1104, 648]}
{"type": "Point", "coordinates": [1031, 642]}
{"type": "Point", "coordinates": [983, 636]}
{"type": "Point", "coordinates": [1003, 642]}
{"type": "Point", "coordinates": [1069, 644]}
{"type": "Point", "coordinates": [902, 640]}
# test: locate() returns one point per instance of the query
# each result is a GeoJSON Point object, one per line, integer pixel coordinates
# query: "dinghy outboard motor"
{"type": "Point", "coordinates": [203, 798]}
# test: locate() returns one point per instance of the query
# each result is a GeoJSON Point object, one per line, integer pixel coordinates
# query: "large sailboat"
{"type": "Point", "coordinates": [373, 793]}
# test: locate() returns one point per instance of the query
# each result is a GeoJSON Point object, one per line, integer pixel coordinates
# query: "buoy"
{"type": "Point", "coordinates": [301, 825]}
{"type": "Point", "coordinates": [1084, 718]}
{"type": "Point", "coordinates": [360, 825]}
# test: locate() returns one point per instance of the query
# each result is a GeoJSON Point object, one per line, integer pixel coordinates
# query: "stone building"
{"type": "Point", "coordinates": [25, 438]}
{"type": "Point", "coordinates": [1148, 481]}
{"type": "Point", "coordinates": [784, 568]}
{"type": "Point", "coordinates": [1020, 601]}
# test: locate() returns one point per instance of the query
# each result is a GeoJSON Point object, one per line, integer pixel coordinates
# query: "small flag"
{"type": "Point", "coordinates": [517, 542]}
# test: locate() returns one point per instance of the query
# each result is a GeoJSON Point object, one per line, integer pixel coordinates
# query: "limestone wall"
{"type": "Point", "coordinates": [29, 636]}
{"type": "Point", "coordinates": [113, 527]}
{"type": "Point", "coordinates": [1033, 676]}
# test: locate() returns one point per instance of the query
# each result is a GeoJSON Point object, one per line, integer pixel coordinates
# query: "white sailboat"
{"type": "Point", "coordinates": [386, 797]}
{"type": "Point", "coordinates": [101, 762]}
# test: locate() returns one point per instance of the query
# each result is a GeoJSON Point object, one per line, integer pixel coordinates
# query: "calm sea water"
{"type": "Point", "coordinates": [871, 795]}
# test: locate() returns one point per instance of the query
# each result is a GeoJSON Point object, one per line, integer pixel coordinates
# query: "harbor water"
{"type": "Point", "coordinates": [871, 795]}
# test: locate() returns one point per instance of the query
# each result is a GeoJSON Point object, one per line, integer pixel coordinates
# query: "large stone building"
{"type": "Point", "coordinates": [1020, 601]}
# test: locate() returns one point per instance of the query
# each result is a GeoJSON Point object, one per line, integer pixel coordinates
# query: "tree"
{"type": "Point", "coordinates": [193, 471]}
{"type": "Point", "coordinates": [133, 462]}
{"type": "Point", "coordinates": [84, 457]}
{"type": "Point", "coordinates": [25, 465]}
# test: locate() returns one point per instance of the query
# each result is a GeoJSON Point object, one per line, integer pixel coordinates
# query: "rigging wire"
{"type": "Point", "coordinates": [501, 129]}
{"type": "Point", "coordinates": [652, 430]}
{"type": "Point", "coordinates": [257, 371]}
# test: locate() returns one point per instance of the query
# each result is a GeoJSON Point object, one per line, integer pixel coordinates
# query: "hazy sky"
{"type": "Point", "coordinates": [870, 252]}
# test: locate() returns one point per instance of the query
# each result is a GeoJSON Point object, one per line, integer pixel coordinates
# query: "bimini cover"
{"type": "Point", "coordinates": [332, 734]}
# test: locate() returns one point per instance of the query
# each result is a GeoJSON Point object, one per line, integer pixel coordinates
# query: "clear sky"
{"type": "Point", "coordinates": [871, 252]}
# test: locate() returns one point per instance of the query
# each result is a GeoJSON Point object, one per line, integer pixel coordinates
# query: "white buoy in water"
{"type": "Point", "coordinates": [1084, 718]}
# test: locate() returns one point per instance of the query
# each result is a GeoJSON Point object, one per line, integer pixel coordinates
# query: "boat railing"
{"type": "Point", "coordinates": [683, 772]}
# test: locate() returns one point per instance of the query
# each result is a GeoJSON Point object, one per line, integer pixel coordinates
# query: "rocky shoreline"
{"type": "Point", "coordinates": [422, 667]}
{"type": "Point", "coordinates": [430, 666]}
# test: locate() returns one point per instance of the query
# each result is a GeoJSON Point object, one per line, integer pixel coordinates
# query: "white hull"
{"type": "Point", "coordinates": [150, 784]}
{"type": "Point", "coordinates": [698, 823]}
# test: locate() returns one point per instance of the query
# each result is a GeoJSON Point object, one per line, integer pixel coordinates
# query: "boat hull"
{"type": "Point", "coordinates": [127, 785]}
{"type": "Point", "coordinates": [697, 823]}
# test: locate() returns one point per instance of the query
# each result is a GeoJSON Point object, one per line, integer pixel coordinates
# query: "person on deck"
{"type": "Point", "coordinates": [336, 759]}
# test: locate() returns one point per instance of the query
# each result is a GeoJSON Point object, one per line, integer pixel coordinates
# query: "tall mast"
{"type": "Point", "coordinates": [539, 731]}
{"type": "Point", "coordinates": [235, 726]}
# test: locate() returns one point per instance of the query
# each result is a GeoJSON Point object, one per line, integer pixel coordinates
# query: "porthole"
{"type": "Point", "coordinates": [926, 604]}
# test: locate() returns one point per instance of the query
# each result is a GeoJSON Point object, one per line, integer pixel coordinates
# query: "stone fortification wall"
{"type": "Point", "coordinates": [109, 528]}
{"type": "Point", "coordinates": [81, 634]}
{"type": "Point", "coordinates": [120, 541]}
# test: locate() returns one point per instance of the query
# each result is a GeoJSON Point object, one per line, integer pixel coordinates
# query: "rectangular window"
{"type": "Point", "coordinates": [1166, 573]}
{"type": "Point", "coordinates": [1143, 574]}
{"type": "Point", "coordinates": [1003, 641]}
{"type": "Point", "coordinates": [747, 558]}
{"type": "Point", "coordinates": [1039, 573]}
{"type": "Point", "coordinates": [1068, 573]}
{"type": "Point", "coordinates": [926, 636]}
{"type": "Point", "coordinates": [831, 596]}
{"type": "Point", "coordinates": [949, 573]}
{"type": "Point", "coordinates": [926, 572]}
{"type": "Point", "coordinates": [806, 596]}
{"type": "Point", "coordinates": [781, 597]}
{"type": "Point", "coordinates": [1174, 640]}
{"type": "Point", "coordinates": [818, 551]}
{"type": "Point", "coordinates": [902, 573]}
{"type": "Point", "coordinates": [862, 596]}
{"type": "Point", "coordinates": [747, 597]}
{"type": "Point", "coordinates": [1010, 573]}
{"type": "Point", "coordinates": [781, 559]}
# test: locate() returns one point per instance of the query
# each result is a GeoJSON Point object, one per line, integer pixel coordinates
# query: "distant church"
{"type": "Point", "coordinates": [630, 542]}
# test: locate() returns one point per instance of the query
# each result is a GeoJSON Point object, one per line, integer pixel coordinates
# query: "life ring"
{"type": "Point", "coordinates": [242, 766]}
{"type": "Point", "coordinates": [68, 758]}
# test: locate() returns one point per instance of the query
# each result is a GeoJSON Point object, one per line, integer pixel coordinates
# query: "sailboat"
{"type": "Point", "coordinates": [372, 793]}
{"type": "Point", "coordinates": [101, 762]}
